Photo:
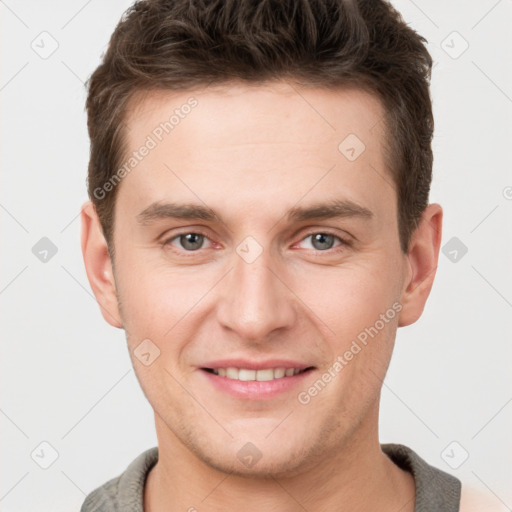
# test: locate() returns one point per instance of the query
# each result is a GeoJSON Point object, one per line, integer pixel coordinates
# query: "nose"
{"type": "Point", "coordinates": [256, 303]}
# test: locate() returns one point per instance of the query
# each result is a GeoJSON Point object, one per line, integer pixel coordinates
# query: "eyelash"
{"type": "Point", "coordinates": [334, 250]}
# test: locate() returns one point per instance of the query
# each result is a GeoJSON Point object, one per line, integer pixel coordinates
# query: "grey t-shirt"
{"type": "Point", "coordinates": [436, 491]}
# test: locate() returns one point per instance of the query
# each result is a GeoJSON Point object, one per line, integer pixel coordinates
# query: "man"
{"type": "Point", "coordinates": [259, 225]}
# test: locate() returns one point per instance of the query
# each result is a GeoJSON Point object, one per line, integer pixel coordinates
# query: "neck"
{"type": "Point", "coordinates": [357, 476]}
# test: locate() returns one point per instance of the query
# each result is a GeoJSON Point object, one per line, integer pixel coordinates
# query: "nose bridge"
{"type": "Point", "coordinates": [255, 302]}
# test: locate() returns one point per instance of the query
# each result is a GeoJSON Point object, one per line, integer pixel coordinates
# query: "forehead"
{"type": "Point", "coordinates": [267, 143]}
{"type": "Point", "coordinates": [326, 113]}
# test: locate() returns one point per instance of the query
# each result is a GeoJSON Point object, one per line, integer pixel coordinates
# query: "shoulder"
{"type": "Point", "coordinates": [474, 500]}
{"type": "Point", "coordinates": [125, 491]}
{"type": "Point", "coordinates": [103, 497]}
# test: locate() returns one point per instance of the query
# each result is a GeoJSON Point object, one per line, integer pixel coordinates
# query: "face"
{"type": "Point", "coordinates": [257, 235]}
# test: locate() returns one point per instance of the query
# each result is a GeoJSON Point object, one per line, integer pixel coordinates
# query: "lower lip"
{"type": "Point", "coordinates": [255, 389]}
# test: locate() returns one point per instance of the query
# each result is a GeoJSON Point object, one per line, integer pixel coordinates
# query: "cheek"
{"type": "Point", "coordinates": [157, 308]}
{"type": "Point", "coordinates": [350, 298]}
{"type": "Point", "coordinates": [154, 300]}
{"type": "Point", "coordinates": [360, 312]}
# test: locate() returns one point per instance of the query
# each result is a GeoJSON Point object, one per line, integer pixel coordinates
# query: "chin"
{"type": "Point", "coordinates": [273, 467]}
{"type": "Point", "coordinates": [263, 458]}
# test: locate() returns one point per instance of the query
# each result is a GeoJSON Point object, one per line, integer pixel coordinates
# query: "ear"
{"type": "Point", "coordinates": [98, 265]}
{"type": "Point", "coordinates": [422, 259]}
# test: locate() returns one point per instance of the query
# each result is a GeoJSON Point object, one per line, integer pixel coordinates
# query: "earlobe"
{"type": "Point", "coordinates": [422, 260]}
{"type": "Point", "coordinates": [98, 265]}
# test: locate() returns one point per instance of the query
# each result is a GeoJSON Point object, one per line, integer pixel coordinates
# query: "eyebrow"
{"type": "Point", "coordinates": [157, 211]}
{"type": "Point", "coordinates": [189, 211]}
{"type": "Point", "coordinates": [333, 209]}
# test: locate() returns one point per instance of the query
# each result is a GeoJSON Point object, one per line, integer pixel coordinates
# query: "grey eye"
{"type": "Point", "coordinates": [322, 241]}
{"type": "Point", "coordinates": [191, 241]}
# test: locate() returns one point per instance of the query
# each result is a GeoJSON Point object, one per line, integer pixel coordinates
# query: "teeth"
{"type": "Point", "coordinates": [265, 374]}
{"type": "Point", "coordinates": [245, 374]}
{"type": "Point", "coordinates": [279, 372]}
{"type": "Point", "coordinates": [232, 373]}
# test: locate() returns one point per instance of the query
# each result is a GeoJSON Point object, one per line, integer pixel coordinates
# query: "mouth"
{"type": "Point", "coordinates": [260, 375]}
{"type": "Point", "coordinates": [256, 383]}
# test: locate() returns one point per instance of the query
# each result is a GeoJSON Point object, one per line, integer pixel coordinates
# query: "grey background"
{"type": "Point", "coordinates": [66, 377]}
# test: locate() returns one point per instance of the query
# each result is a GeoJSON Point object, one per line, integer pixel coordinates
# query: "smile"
{"type": "Point", "coordinates": [246, 374]}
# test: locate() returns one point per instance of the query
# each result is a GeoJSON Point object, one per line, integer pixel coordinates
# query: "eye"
{"type": "Point", "coordinates": [188, 241]}
{"type": "Point", "coordinates": [324, 241]}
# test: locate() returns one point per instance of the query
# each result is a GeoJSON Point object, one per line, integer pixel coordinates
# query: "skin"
{"type": "Point", "coordinates": [251, 153]}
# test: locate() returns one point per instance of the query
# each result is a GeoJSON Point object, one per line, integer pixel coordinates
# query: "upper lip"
{"type": "Point", "coordinates": [251, 364]}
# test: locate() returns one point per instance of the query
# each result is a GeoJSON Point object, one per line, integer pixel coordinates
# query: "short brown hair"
{"type": "Point", "coordinates": [181, 44]}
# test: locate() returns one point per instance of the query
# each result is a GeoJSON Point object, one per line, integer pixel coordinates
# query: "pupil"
{"type": "Point", "coordinates": [323, 238]}
{"type": "Point", "coordinates": [190, 241]}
